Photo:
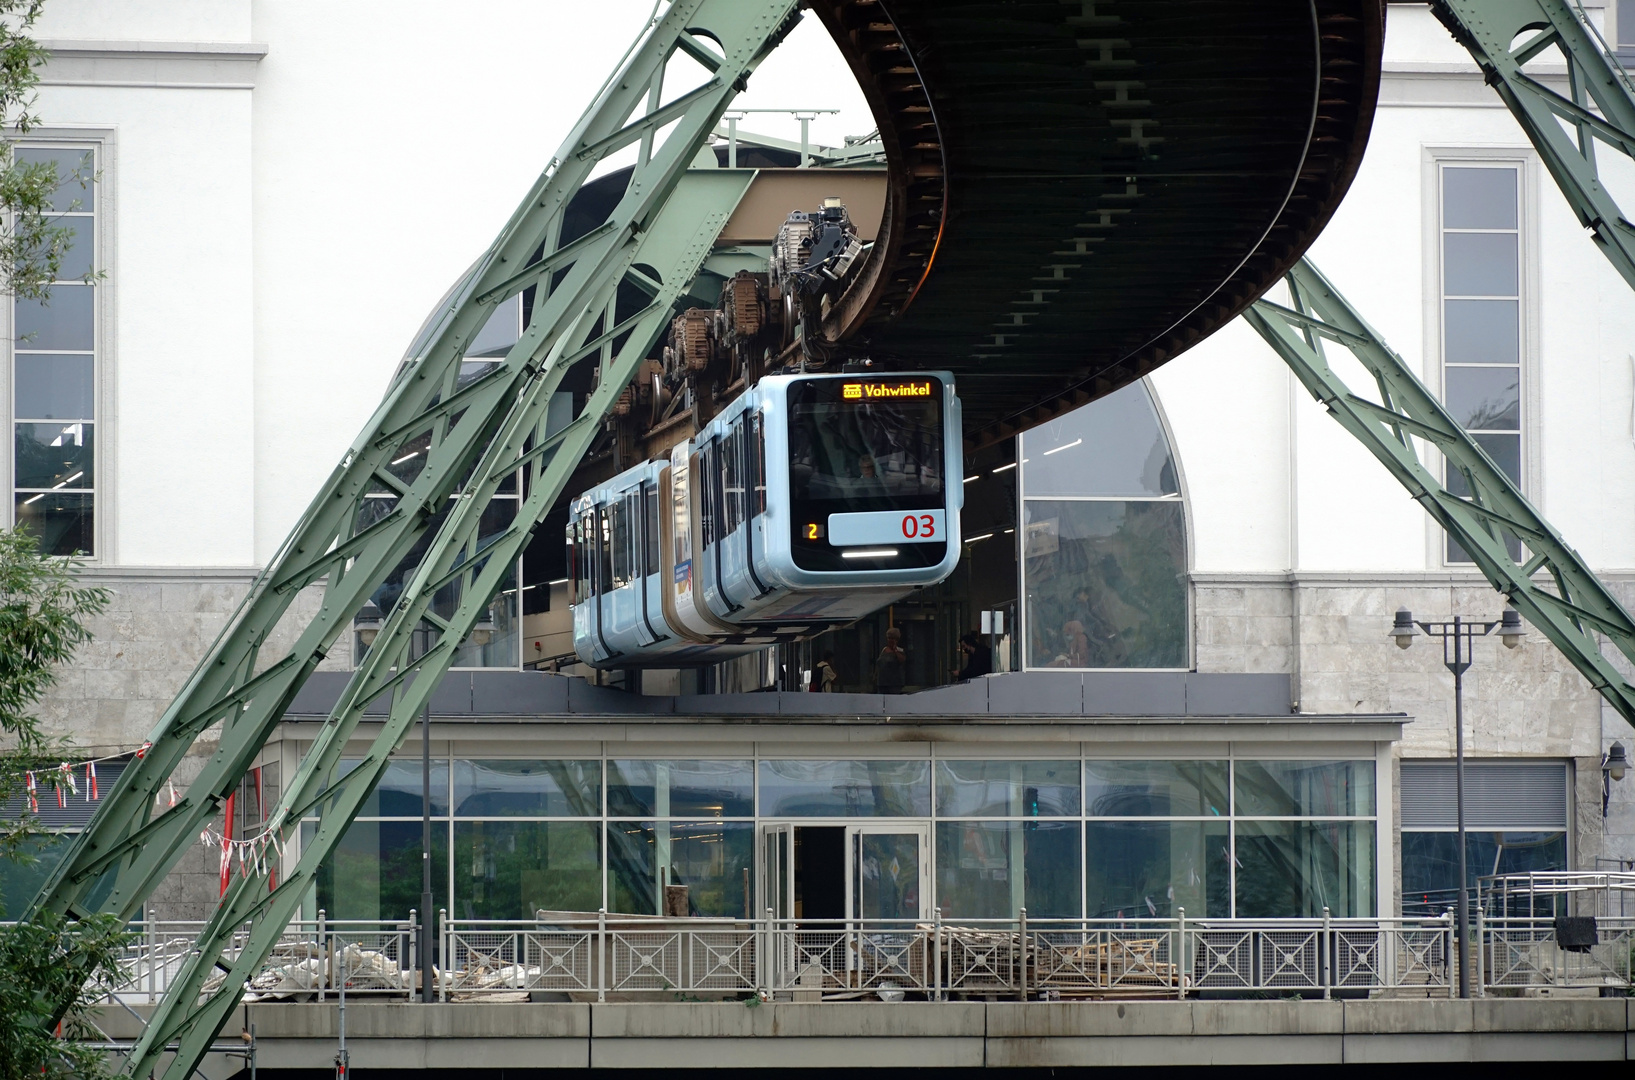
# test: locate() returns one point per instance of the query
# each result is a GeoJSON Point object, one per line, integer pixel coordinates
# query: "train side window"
{"type": "Point", "coordinates": [620, 541]}
{"type": "Point", "coordinates": [576, 561]}
{"type": "Point", "coordinates": [651, 521]}
{"type": "Point", "coordinates": [710, 481]}
{"type": "Point", "coordinates": [604, 561]}
{"type": "Point", "coordinates": [757, 465]}
{"type": "Point", "coordinates": [732, 480]}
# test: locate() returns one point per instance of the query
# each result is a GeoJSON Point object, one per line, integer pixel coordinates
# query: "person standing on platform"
{"type": "Point", "coordinates": [892, 663]}
{"type": "Point", "coordinates": [825, 678]}
{"type": "Point", "coordinates": [978, 657]}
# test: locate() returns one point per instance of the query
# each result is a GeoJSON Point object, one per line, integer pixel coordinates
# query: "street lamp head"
{"type": "Point", "coordinates": [1403, 629]}
{"type": "Point", "coordinates": [1511, 630]}
{"type": "Point", "coordinates": [1616, 764]}
{"type": "Point", "coordinates": [368, 623]}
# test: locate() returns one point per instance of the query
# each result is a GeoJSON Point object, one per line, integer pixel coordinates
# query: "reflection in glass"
{"type": "Point", "coordinates": [20, 881]}
{"type": "Point", "coordinates": [845, 788]}
{"type": "Point", "coordinates": [501, 331]}
{"type": "Point", "coordinates": [54, 387]}
{"type": "Point", "coordinates": [1106, 584]}
{"type": "Point", "coordinates": [64, 323]}
{"type": "Point", "coordinates": [399, 793]}
{"type": "Point", "coordinates": [1294, 869]}
{"type": "Point", "coordinates": [1155, 789]}
{"type": "Point", "coordinates": [55, 455]}
{"type": "Point", "coordinates": [886, 876]}
{"type": "Point", "coordinates": [1479, 264]}
{"type": "Point", "coordinates": [62, 522]}
{"type": "Point", "coordinates": [511, 869]}
{"type": "Point", "coordinates": [374, 872]}
{"type": "Point", "coordinates": [1114, 446]}
{"type": "Point", "coordinates": [1481, 331]}
{"type": "Point", "coordinates": [1485, 398]}
{"type": "Point", "coordinates": [1476, 198]}
{"type": "Point", "coordinates": [990, 869]}
{"type": "Point", "coordinates": [1305, 788]}
{"type": "Point", "coordinates": [1430, 863]}
{"type": "Point", "coordinates": [79, 259]}
{"type": "Point", "coordinates": [527, 788]}
{"type": "Point", "coordinates": [1149, 869]}
{"type": "Point", "coordinates": [76, 172]}
{"type": "Point", "coordinates": [702, 789]}
{"type": "Point", "coordinates": [1007, 788]}
{"type": "Point", "coordinates": [714, 861]}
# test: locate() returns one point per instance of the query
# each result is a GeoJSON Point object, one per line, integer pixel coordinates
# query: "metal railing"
{"type": "Point", "coordinates": [634, 957]}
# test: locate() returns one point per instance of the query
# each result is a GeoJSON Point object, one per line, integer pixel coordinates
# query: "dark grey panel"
{"type": "Point", "coordinates": [841, 705]}
{"type": "Point", "coordinates": [518, 693]}
{"type": "Point", "coordinates": [964, 699]}
{"type": "Point", "coordinates": [585, 699]}
{"type": "Point", "coordinates": [1135, 693]}
{"type": "Point", "coordinates": [1036, 693]}
{"type": "Point", "coordinates": [1518, 795]}
{"type": "Point", "coordinates": [1232, 694]}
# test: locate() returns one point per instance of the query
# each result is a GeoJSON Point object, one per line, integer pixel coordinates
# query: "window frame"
{"type": "Point", "coordinates": [1434, 369]}
{"type": "Point", "coordinates": [101, 143]}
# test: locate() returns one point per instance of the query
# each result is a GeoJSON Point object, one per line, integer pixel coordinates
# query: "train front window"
{"type": "Point", "coordinates": [863, 446]}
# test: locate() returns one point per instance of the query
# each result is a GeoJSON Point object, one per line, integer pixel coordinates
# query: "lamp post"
{"type": "Point", "coordinates": [1458, 641]}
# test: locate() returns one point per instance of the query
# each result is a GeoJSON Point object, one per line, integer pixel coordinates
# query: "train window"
{"type": "Point", "coordinates": [732, 480]}
{"type": "Point", "coordinates": [757, 466]}
{"type": "Point", "coordinates": [863, 451]}
{"type": "Point", "coordinates": [651, 520]}
{"type": "Point", "coordinates": [619, 542]}
{"type": "Point", "coordinates": [709, 481]}
{"type": "Point", "coordinates": [604, 560]}
{"type": "Point", "coordinates": [576, 561]}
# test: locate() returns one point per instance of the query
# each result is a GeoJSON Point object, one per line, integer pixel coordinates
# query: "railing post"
{"type": "Point", "coordinates": [1481, 959]}
{"type": "Point", "coordinates": [325, 968]}
{"type": "Point", "coordinates": [1324, 971]}
{"type": "Point", "coordinates": [444, 954]}
{"type": "Point", "coordinates": [1022, 956]}
{"type": "Point", "coordinates": [936, 954]}
{"type": "Point", "coordinates": [153, 952]}
{"type": "Point", "coordinates": [1177, 958]}
{"type": "Point", "coordinates": [1450, 946]}
{"type": "Point", "coordinates": [771, 953]}
{"type": "Point", "coordinates": [601, 954]}
{"type": "Point", "coordinates": [415, 945]}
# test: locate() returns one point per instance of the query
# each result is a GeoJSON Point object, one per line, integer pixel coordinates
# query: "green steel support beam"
{"type": "Point", "coordinates": [1573, 606]}
{"type": "Point", "coordinates": [1505, 35]}
{"type": "Point", "coordinates": [382, 512]}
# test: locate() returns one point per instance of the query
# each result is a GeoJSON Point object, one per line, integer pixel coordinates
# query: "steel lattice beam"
{"type": "Point", "coordinates": [1576, 606]}
{"type": "Point", "coordinates": [371, 515]}
{"type": "Point", "coordinates": [1487, 28]}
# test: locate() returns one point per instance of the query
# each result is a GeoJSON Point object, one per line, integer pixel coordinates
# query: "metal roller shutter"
{"type": "Point", "coordinates": [1498, 795]}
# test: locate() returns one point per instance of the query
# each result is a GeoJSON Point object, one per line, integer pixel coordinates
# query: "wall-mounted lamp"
{"type": "Point", "coordinates": [368, 623]}
{"type": "Point", "coordinates": [1614, 767]}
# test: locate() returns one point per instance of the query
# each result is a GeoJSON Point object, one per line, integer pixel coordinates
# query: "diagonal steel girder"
{"type": "Point", "coordinates": [1503, 36]}
{"type": "Point", "coordinates": [1574, 606]}
{"type": "Point", "coordinates": [467, 436]}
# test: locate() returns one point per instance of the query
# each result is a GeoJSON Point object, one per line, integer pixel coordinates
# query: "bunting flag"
{"type": "Point", "coordinates": [33, 792]}
{"type": "Point", "coordinates": [227, 841]}
{"type": "Point", "coordinates": [91, 792]}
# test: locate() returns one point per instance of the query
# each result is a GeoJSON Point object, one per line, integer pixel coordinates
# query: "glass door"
{"type": "Point", "coordinates": [777, 871]}
{"type": "Point", "coordinates": [887, 872]}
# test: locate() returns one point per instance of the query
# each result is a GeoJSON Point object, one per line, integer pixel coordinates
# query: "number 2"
{"type": "Point", "coordinates": [811, 531]}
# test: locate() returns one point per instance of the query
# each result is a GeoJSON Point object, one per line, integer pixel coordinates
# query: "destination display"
{"type": "Point", "coordinates": [886, 527]}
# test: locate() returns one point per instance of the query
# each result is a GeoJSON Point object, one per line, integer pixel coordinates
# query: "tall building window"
{"type": "Point", "coordinates": [1103, 548]}
{"type": "Point", "coordinates": [1481, 316]}
{"type": "Point", "coordinates": [54, 372]}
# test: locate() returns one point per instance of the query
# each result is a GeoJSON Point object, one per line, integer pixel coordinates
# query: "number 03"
{"type": "Point", "coordinates": [922, 526]}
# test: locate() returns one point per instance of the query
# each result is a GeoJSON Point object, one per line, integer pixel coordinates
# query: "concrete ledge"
{"type": "Point", "coordinates": [673, 1035]}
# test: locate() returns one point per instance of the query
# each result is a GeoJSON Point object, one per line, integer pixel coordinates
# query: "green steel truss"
{"type": "Point", "coordinates": [377, 510]}
{"type": "Point", "coordinates": [1504, 35]}
{"type": "Point", "coordinates": [1568, 603]}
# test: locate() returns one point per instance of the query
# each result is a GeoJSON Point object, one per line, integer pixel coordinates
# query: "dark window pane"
{"type": "Point", "coordinates": [989, 869]}
{"type": "Point", "coordinates": [75, 170]}
{"type": "Point", "coordinates": [712, 860]}
{"type": "Point", "coordinates": [1007, 788]}
{"type": "Point", "coordinates": [501, 330]}
{"type": "Point", "coordinates": [527, 789]}
{"type": "Point", "coordinates": [1148, 869]}
{"type": "Point", "coordinates": [681, 788]}
{"type": "Point", "coordinates": [80, 258]}
{"type": "Point", "coordinates": [511, 869]}
{"type": "Point", "coordinates": [1106, 584]}
{"type": "Point", "coordinates": [1479, 198]}
{"type": "Point", "coordinates": [1114, 446]}
{"type": "Point", "coordinates": [61, 520]}
{"type": "Point", "coordinates": [845, 788]}
{"type": "Point", "coordinates": [1155, 789]}
{"type": "Point", "coordinates": [60, 387]}
{"type": "Point", "coordinates": [374, 871]}
{"type": "Point", "coordinates": [1304, 788]}
{"type": "Point", "coordinates": [1479, 264]}
{"type": "Point", "coordinates": [1485, 397]}
{"type": "Point", "coordinates": [1480, 332]}
{"type": "Point", "coordinates": [1295, 869]}
{"type": "Point", "coordinates": [49, 455]}
{"type": "Point", "coordinates": [66, 322]}
{"type": "Point", "coordinates": [400, 792]}
{"type": "Point", "coordinates": [1505, 450]}
{"type": "Point", "coordinates": [1430, 864]}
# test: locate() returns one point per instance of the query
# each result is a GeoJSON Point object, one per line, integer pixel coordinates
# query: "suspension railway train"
{"type": "Point", "coordinates": [809, 501]}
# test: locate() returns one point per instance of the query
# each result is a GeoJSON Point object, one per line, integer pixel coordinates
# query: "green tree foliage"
{"type": "Point", "coordinates": [49, 968]}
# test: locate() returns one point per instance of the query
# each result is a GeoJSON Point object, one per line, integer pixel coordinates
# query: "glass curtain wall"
{"type": "Point", "coordinates": [1104, 839]}
{"type": "Point", "coordinates": [1481, 318]}
{"type": "Point", "coordinates": [1103, 543]}
{"type": "Point", "coordinates": [54, 370]}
